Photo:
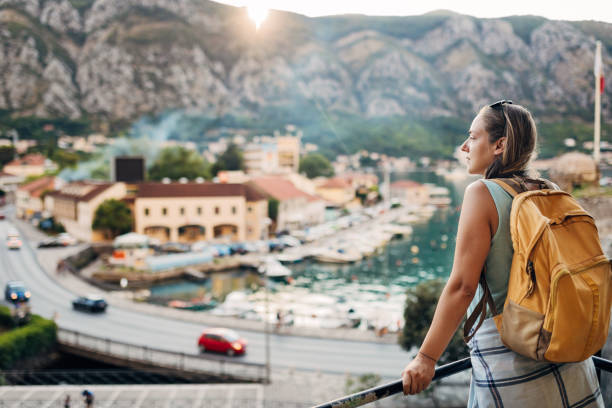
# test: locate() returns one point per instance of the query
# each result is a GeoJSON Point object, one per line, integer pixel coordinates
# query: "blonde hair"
{"type": "Point", "coordinates": [516, 124]}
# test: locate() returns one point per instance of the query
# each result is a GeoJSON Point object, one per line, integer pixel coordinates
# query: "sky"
{"type": "Point", "coordinates": [600, 10]}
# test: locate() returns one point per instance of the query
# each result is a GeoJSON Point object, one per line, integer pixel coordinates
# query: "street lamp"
{"type": "Point", "coordinates": [267, 334]}
{"type": "Point", "coordinates": [263, 271]}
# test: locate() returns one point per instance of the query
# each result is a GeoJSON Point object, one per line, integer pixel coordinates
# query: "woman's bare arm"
{"type": "Point", "coordinates": [477, 224]}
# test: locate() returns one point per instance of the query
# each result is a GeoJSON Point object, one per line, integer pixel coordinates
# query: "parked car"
{"type": "Point", "coordinates": [16, 291]}
{"type": "Point", "coordinates": [49, 243]}
{"type": "Point", "coordinates": [221, 249]}
{"type": "Point", "coordinates": [238, 248]}
{"type": "Point", "coordinates": [289, 241]}
{"type": "Point", "coordinates": [66, 239]}
{"type": "Point", "coordinates": [13, 242]}
{"type": "Point", "coordinates": [222, 340]}
{"type": "Point", "coordinates": [174, 248]}
{"type": "Point", "coordinates": [90, 303]}
{"type": "Point", "coordinates": [275, 244]}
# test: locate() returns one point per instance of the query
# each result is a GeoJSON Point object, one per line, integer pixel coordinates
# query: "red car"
{"type": "Point", "coordinates": [222, 341]}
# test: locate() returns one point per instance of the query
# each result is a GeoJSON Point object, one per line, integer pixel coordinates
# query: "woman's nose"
{"type": "Point", "coordinates": [464, 146]}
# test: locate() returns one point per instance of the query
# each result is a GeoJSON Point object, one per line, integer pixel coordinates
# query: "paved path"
{"type": "Point", "coordinates": [279, 395]}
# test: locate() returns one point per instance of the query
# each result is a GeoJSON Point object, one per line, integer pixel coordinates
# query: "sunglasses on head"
{"type": "Point", "coordinates": [500, 104]}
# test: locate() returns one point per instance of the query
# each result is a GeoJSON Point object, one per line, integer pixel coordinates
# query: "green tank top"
{"type": "Point", "coordinates": [499, 259]}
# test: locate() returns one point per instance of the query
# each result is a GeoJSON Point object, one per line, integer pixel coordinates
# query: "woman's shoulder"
{"type": "Point", "coordinates": [477, 187]}
{"type": "Point", "coordinates": [478, 196]}
{"type": "Point", "coordinates": [478, 209]}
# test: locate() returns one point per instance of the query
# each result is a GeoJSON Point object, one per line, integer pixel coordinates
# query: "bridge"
{"type": "Point", "coordinates": [138, 357]}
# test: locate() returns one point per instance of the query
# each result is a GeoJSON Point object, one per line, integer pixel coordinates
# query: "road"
{"type": "Point", "coordinates": [50, 299]}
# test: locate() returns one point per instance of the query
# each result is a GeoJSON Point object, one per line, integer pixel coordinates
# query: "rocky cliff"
{"type": "Point", "coordinates": [120, 59]}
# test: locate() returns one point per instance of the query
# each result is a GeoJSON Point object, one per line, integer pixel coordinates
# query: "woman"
{"type": "Point", "coordinates": [501, 142]}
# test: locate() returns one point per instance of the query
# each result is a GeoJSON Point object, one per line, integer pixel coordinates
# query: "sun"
{"type": "Point", "coordinates": [258, 14]}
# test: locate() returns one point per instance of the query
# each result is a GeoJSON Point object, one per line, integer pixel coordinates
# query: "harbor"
{"type": "Point", "coordinates": [317, 285]}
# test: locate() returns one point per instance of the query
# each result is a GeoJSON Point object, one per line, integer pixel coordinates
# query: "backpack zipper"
{"type": "Point", "coordinates": [532, 277]}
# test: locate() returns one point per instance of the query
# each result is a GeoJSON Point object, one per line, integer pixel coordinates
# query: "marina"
{"type": "Point", "coordinates": [353, 277]}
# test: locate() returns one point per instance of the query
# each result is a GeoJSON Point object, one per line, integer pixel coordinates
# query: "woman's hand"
{"type": "Point", "coordinates": [418, 374]}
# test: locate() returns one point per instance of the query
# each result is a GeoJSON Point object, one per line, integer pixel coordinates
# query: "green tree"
{"type": "Point", "coordinates": [113, 217]}
{"type": "Point", "coordinates": [231, 159]}
{"type": "Point", "coordinates": [421, 303]}
{"type": "Point", "coordinates": [367, 161]}
{"type": "Point", "coordinates": [7, 153]}
{"type": "Point", "coordinates": [64, 158]}
{"type": "Point", "coordinates": [176, 162]}
{"type": "Point", "coordinates": [315, 165]}
{"type": "Point", "coordinates": [273, 208]}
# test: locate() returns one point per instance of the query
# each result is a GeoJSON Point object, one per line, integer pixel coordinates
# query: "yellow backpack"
{"type": "Point", "coordinates": [559, 290]}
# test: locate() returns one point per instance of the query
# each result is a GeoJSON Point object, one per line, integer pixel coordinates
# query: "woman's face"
{"type": "Point", "coordinates": [480, 152]}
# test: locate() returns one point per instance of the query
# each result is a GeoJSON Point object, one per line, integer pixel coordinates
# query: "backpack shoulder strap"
{"type": "Point", "coordinates": [480, 311]}
{"type": "Point", "coordinates": [513, 186]}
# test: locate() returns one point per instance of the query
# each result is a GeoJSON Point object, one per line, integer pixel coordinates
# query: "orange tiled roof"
{"type": "Point", "coordinates": [336, 182]}
{"type": "Point", "coordinates": [36, 187]}
{"type": "Point", "coordinates": [278, 188]}
{"type": "Point", "coordinates": [81, 190]}
{"type": "Point", "coordinates": [32, 159]}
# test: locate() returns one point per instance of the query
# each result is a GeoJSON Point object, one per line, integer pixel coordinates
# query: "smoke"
{"type": "Point", "coordinates": [145, 138]}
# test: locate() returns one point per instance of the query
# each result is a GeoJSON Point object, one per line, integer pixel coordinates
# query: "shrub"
{"type": "Point", "coordinates": [30, 340]}
{"type": "Point", "coordinates": [421, 303]}
{"type": "Point", "coordinates": [6, 320]}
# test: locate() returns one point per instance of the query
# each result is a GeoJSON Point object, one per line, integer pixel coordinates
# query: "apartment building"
{"type": "Point", "coordinates": [288, 148]}
{"type": "Point", "coordinates": [267, 155]}
{"type": "Point", "coordinates": [189, 212]}
{"type": "Point", "coordinates": [261, 158]}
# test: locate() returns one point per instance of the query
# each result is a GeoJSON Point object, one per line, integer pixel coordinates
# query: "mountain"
{"type": "Point", "coordinates": [113, 61]}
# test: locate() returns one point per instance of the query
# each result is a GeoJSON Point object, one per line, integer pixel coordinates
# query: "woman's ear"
{"type": "Point", "coordinates": [500, 145]}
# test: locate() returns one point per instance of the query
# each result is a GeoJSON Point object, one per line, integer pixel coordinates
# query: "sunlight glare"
{"type": "Point", "coordinates": [258, 14]}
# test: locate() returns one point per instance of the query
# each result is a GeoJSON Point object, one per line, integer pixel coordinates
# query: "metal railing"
{"type": "Point", "coordinates": [154, 357]}
{"type": "Point", "coordinates": [92, 377]}
{"type": "Point", "coordinates": [382, 391]}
